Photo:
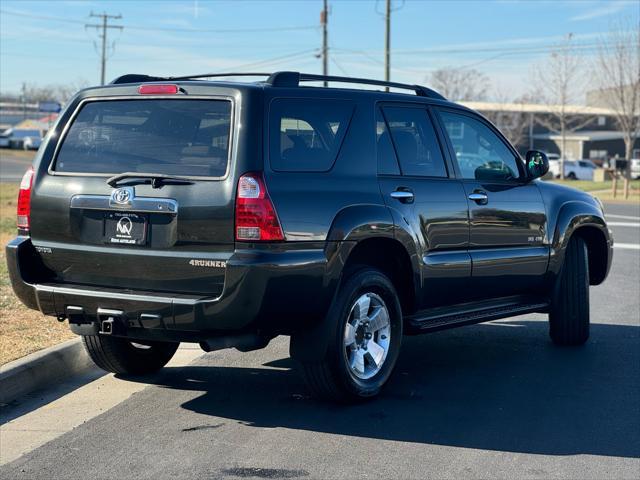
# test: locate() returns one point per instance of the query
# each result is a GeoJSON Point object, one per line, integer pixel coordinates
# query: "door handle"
{"type": "Point", "coordinates": [480, 198]}
{"type": "Point", "coordinates": [403, 196]}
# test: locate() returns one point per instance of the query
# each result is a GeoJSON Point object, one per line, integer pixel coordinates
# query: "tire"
{"type": "Point", "coordinates": [119, 355]}
{"type": "Point", "coordinates": [349, 372]}
{"type": "Point", "coordinates": [569, 313]}
{"type": "Point", "coordinates": [572, 176]}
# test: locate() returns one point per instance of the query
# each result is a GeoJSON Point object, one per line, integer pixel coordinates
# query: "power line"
{"type": "Point", "coordinates": [169, 29]}
{"type": "Point", "coordinates": [105, 27]}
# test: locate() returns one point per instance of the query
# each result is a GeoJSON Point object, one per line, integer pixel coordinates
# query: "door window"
{"type": "Point", "coordinates": [415, 142]}
{"type": "Point", "coordinates": [480, 153]}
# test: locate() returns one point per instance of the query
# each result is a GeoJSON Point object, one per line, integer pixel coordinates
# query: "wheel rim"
{"type": "Point", "coordinates": [367, 336]}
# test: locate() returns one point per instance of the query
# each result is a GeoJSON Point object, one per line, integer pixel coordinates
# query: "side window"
{"type": "Point", "coordinates": [480, 153]}
{"type": "Point", "coordinates": [387, 161]}
{"type": "Point", "coordinates": [415, 142]}
{"type": "Point", "coordinates": [305, 135]}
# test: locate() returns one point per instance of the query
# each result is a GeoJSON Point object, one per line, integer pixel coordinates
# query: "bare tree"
{"type": "Point", "coordinates": [617, 69]}
{"type": "Point", "coordinates": [459, 83]}
{"type": "Point", "coordinates": [512, 120]}
{"type": "Point", "coordinates": [560, 80]}
{"type": "Point", "coordinates": [32, 93]}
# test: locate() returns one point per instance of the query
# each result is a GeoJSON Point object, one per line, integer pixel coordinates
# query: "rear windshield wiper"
{"type": "Point", "coordinates": [156, 180]}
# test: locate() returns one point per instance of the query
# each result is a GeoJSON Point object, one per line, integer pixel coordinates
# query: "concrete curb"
{"type": "Point", "coordinates": [42, 369]}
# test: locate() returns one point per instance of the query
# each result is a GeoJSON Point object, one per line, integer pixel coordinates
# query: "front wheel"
{"type": "Point", "coordinates": [363, 349]}
{"type": "Point", "coordinates": [119, 355]}
{"type": "Point", "coordinates": [569, 313]}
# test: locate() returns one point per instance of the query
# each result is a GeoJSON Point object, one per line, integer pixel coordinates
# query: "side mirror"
{"type": "Point", "coordinates": [537, 164]}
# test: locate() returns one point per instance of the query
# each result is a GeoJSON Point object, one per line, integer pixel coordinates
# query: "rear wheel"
{"type": "Point", "coordinates": [571, 176]}
{"type": "Point", "coordinates": [569, 314]}
{"type": "Point", "coordinates": [119, 355]}
{"type": "Point", "coordinates": [365, 344]}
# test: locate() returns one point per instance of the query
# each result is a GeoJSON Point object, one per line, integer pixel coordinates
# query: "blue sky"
{"type": "Point", "coordinates": [501, 38]}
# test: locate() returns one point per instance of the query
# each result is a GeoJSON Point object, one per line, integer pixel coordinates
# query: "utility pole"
{"type": "Point", "coordinates": [24, 101]}
{"type": "Point", "coordinates": [324, 17]}
{"type": "Point", "coordinates": [387, 44]}
{"type": "Point", "coordinates": [104, 26]}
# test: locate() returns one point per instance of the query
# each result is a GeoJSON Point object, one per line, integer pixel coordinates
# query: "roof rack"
{"type": "Point", "coordinates": [137, 78]}
{"type": "Point", "coordinates": [287, 79]}
{"type": "Point", "coordinates": [293, 79]}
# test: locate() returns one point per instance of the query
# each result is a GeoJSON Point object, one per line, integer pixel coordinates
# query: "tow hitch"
{"type": "Point", "coordinates": [109, 320]}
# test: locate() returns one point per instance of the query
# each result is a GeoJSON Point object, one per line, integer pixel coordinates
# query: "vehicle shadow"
{"type": "Point", "coordinates": [499, 386]}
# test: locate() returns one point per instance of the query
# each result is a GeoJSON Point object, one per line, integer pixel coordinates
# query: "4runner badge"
{"type": "Point", "coordinates": [208, 263]}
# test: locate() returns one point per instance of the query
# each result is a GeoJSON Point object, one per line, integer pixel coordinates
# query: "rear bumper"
{"type": "Point", "coordinates": [270, 289]}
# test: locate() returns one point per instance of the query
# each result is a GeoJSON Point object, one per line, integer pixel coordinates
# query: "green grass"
{"type": "Point", "coordinates": [8, 200]}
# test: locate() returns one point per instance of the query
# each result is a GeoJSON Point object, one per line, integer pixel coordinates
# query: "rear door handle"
{"type": "Point", "coordinates": [403, 196]}
{"type": "Point", "coordinates": [480, 198]}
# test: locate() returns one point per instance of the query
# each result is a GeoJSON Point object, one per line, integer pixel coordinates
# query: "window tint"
{"type": "Point", "coordinates": [175, 137]}
{"type": "Point", "coordinates": [415, 142]}
{"type": "Point", "coordinates": [387, 161]}
{"type": "Point", "coordinates": [480, 153]}
{"type": "Point", "coordinates": [305, 134]}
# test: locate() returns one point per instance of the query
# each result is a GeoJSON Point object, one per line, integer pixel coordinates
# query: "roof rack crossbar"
{"type": "Point", "coordinates": [292, 79]}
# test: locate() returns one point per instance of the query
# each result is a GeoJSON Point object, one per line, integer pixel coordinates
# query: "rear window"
{"type": "Point", "coordinates": [174, 137]}
{"type": "Point", "coordinates": [306, 134]}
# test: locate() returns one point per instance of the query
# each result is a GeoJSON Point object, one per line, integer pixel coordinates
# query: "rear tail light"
{"type": "Point", "coordinates": [256, 218]}
{"type": "Point", "coordinates": [155, 89]}
{"type": "Point", "coordinates": [24, 200]}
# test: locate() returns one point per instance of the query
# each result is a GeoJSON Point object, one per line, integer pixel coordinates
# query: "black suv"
{"type": "Point", "coordinates": [167, 210]}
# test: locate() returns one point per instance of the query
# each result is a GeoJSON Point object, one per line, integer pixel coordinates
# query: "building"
{"type": "Point", "coordinates": [526, 125]}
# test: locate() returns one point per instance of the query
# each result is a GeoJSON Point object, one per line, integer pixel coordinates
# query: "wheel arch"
{"type": "Point", "coordinates": [587, 221]}
{"type": "Point", "coordinates": [363, 235]}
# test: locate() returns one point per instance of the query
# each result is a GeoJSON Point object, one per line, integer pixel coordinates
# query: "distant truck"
{"type": "Point", "coordinates": [573, 169]}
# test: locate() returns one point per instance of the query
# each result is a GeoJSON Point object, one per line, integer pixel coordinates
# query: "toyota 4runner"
{"type": "Point", "coordinates": [168, 210]}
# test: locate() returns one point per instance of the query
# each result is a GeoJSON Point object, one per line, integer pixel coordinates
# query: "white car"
{"type": "Point", "coordinates": [635, 168]}
{"type": "Point", "coordinates": [25, 139]}
{"type": "Point", "coordinates": [573, 169]}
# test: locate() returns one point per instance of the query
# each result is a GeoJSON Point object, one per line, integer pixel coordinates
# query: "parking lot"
{"type": "Point", "coordinates": [496, 400]}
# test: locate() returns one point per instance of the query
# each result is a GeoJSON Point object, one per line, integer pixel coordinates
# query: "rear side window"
{"type": "Point", "coordinates": [175, 137]}
{"type": "Point", "coordinates": [305, 135]}
{"type": "Point", "coordinates": [415, 142]}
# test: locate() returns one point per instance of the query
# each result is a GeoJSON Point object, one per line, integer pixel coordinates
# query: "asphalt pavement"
{"type": "Point", "coordinates": [13, 164]}
{"type": "Point", "coordinates": [495, 400]}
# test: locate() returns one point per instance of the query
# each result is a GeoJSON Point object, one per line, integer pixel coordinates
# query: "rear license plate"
{"type": "Point", "coordinates": [125, 228]}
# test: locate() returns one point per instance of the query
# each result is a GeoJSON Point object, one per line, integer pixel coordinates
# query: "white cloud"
{"type": "Point", "coordinates": [609, 8]}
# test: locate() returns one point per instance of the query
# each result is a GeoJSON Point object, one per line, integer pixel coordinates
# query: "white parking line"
{"type": "Point", "coordinates": [627, 246]}
{"type": "Point", "coordinates": [624, 217]}
{"type": "Point", "coordinates": [623, 224]}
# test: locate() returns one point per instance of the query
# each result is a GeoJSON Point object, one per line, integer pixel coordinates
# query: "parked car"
{"type": "Point", "coordinates": [4, 140]}
{"type": "Point", "coordinates": [573, 169]}
{"type": "Point", "coordinates": [168, 210]}
{"type": "Point", "coordinates": [25, 139]}
{"type": "Point", "coordinates": [635, 168]}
